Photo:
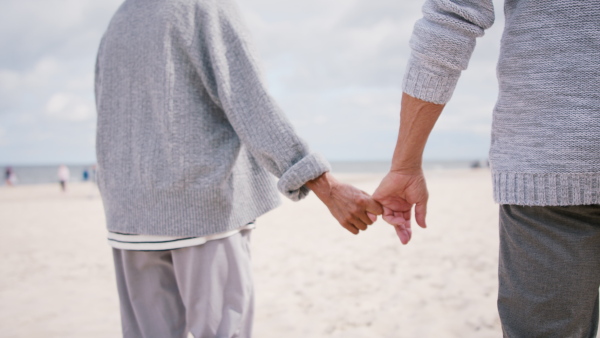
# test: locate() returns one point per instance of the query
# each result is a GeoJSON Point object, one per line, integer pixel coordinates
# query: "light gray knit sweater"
{"type": "Point", "coordinates": [186, 128]}
{"type": "Point", "coordinates": [546, 128]}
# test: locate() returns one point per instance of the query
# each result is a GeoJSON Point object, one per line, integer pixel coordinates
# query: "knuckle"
{"type": "Point", "coordinates": [364, 201]}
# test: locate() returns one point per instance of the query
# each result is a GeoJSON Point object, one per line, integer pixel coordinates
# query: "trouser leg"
{"type": "Point", "coordinates": [149, 296]}
{"type": "Point", "coordinates": [215, 282]}
{"type": "Point", "coordinates": [549, 271]}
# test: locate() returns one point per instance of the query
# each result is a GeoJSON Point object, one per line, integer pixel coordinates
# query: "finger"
{"type": "Point", "coordinates": [404, 234]}
{"type": "Point", "coordinates": [394, 218]}
{"type": "Point", "coordinates": [358, 223]}
{"type": "Point", "coordinates": [364, 218]}
{"type": "Point", "coordinates": [372, 217]}
{"type": "Point", "coordinates": [407, 214]}
{"type": "Point", "coordinates": [350, 227]}
{"type": "Point", "coordinates": [388, 212]}
{"type": "Point", "coordinates": [374, 207]}
{"type": "Point", "coordinates": [420, 213]}
{"type": "Point", "coordinates": [407, 218]}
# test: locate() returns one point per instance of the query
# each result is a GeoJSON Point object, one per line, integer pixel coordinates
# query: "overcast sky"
{"type": "Point", "coordinates": [335, 66]}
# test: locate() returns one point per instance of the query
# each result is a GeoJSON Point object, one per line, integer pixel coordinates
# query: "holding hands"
{"type": "Point", "coordinates": [402, 189]}
{"type": "Point", "coordinates": [404, 186]}
{"type": "Point", "coordinates": [395, 198]}
{"type": "Point", "coordinates": [354, 209]}
{"type": "Point", "coordinates": [398, 192]}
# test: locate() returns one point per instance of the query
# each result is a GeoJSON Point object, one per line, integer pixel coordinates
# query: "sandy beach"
{"type": "Point", "coordinates": [313, 278]}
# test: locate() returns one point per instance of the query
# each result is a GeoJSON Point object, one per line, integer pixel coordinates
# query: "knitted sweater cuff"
{"type": "Point", "coordinates": [291, 184]}
{"type": "Point", "coordinates": [427, 85]}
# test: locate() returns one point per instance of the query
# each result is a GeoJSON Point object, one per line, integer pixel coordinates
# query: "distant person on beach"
{"type": "Point", "coordinates": [7, 174]}
{"type": "Point", "coordinates": [63, 176]}
{"type": "Point", "coordinates": [10, 178]}
{"type": "Point", "coordinates": [545, 153]}
{"type": "Point", "coordinates": [187, 142]}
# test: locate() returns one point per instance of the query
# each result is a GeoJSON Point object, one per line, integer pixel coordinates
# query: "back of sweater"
{"type": "Point", "coordinates": [187, 133]}
{"type": "Point", "coordinates": [546, 128]}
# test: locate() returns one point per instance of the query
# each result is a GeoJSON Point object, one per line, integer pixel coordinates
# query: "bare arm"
{"type": "Point", "coordinates": [404, 186]}
{"type": "Point", "coordinates": [442, 44]}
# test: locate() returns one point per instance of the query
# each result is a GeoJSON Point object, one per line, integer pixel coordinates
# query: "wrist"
{"type": "Point", "coordinates": [407, 169]}
{"type": "Point", "coordinates": [322, 185]}
{"type": "Point", "coordinates": [406, 162]}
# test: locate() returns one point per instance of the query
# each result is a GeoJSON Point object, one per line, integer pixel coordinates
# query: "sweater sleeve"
{"type": "Point", "coordinates": [230, 73]}
{"type": "Point", "coordinates": [442, 43]}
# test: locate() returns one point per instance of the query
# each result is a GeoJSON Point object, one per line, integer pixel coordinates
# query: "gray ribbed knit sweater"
{"type": "Point", "coordinates": [186, 128]}
{"type": "Point", "coordinates": [546, 128]}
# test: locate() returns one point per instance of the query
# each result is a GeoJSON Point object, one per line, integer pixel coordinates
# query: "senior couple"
{"type": "Point", "coordinates": [188, 142]}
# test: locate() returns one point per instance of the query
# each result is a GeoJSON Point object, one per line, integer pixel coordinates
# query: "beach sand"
{"type": "Point", "coordinates": [312, 277]}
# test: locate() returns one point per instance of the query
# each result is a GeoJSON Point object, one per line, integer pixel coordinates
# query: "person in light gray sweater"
{"type": "Point", "coordinates": [188, 142]}
{"type": "Point", "coordinates": [545, 151]}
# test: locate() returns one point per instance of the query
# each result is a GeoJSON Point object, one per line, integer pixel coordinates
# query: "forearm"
{"type": "Point", "coordinates": [417, 118]}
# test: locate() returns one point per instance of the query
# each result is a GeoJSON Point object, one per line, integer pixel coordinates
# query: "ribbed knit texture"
{"type": "Point", "coordinates": [546, 128]}
{"type": "Point", "coordinates": [187, 133]}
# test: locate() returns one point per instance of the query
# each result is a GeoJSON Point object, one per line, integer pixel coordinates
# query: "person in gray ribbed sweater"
{"type": "Point", "coordinates": [188, 141]}
{"type": "Point", "coordinates": [545, 152]}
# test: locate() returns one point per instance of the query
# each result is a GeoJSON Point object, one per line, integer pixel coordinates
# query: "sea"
{"type": "Point", "coordinates": [44, 174]}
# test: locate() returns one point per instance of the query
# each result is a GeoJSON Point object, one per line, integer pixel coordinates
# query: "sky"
{"type": "Point", "coordinates": [334, 66]}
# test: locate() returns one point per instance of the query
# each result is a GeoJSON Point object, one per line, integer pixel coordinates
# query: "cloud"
{"type": "Point", "coordinates": [69, 107]}
{"type": "Point", "coordinates": [68, 29]}
{"type": "Point", "coordinates": [352, 44]}
{"type": "Point", "coordinates": [335, 67]}
{"type": "Point", "coordinates": [46, 78]}
{"type": "Point", "coordinates": [345, 60]}
{"type": "Point", "coordinates": [32, 93]}
{"type": "Point", "coordinates": [39, 75]}
{"type": "Point", "coordinates": [52, 51]}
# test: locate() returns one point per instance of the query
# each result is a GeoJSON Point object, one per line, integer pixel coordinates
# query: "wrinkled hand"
{"type": "Point", "coordinates": [354, 209]}
{"type": "Point", "coordinates": [398, 192]}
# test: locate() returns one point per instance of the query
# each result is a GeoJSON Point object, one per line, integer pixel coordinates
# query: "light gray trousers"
{"type": "Point", "coordinates": [206, 290]}
{"type": "Point", "coordinates": [549, 271]}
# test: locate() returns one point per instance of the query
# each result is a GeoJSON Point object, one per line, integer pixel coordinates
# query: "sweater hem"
{"type": "Point", "coordinates": [190, 212]}
{"type": "Point", "coordinates": [546, 189]}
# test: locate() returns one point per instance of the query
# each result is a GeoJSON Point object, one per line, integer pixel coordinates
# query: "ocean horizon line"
{"type": "Point", "coordinates": [339, 161]}
{"type": "Point", "coordinates": [47, 173]}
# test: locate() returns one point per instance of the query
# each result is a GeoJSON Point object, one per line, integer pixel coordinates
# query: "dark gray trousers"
{"type": "Point", "coordinates": [549, 271]}
{"type": "Point", "coordinates": [205, 289]}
